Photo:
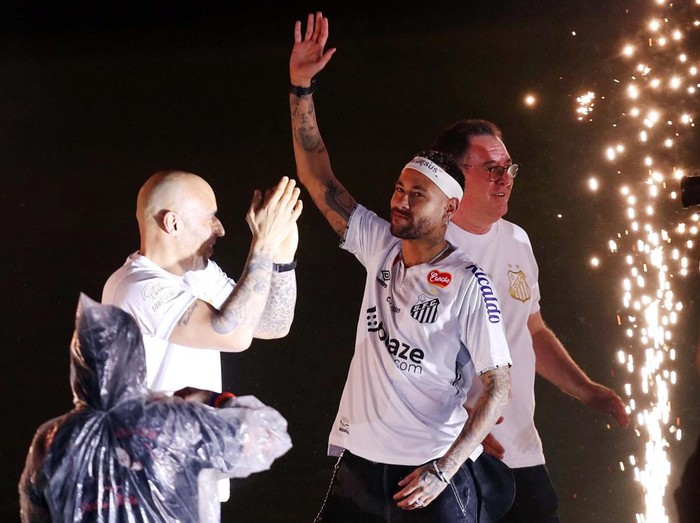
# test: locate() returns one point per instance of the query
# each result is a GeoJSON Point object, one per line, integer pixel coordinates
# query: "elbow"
{"type": "Point", "coordinates": [237, 342]}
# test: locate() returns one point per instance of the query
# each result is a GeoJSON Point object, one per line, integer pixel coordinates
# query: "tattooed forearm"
{"type": "Point", "coordinates": [246, 303]}
{"type": "Point", "coordinates": [277, 317]}
{"type": "Point", "coordinates": [490, 405]}
{"type": "Point", "coordinates": [314, 167]}
{"type": "Point", "coordinates": [306, 132]}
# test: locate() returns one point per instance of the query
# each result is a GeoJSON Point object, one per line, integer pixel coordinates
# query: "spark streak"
{"type": "Point", "coordinates": [652, 119]}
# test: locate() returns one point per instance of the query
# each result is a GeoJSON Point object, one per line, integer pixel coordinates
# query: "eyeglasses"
{"type": "Point", "coordinates": [497, 171]}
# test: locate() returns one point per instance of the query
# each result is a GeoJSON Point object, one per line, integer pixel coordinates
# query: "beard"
{"type": "Point", "coordinates": [408, 229]}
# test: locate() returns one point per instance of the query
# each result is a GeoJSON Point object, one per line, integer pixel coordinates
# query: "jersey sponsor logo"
{"type": "Point", "coordinates": [487, 294]}
{"type": "Point", "coordinates": [518, 288]}
{"type": "Point", "coordinates": [393, 307]}
{"type": "Point", "coordinates": [406, 358]}
{"type": "Point", "coordinates": [441, 279]}
{"type": "Point", "coordinates": [344, 425]}
{"type": "Point", "coordinates": [425, 311]}
{"type": "Point", "coordinates": [383, 277]}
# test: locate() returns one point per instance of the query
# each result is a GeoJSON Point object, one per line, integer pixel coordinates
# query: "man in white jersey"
{"type": "Point", "coordinates": [430, 323]}
{"type": "Point", "coordinates": [503, 250]}
{"type": "Point", "coordinates": [186, 307]}
{"type": "Point", "coordinates": [183, 301]}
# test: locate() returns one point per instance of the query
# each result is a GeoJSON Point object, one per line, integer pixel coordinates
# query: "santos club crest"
{"type": "Point", "coordinates": [519, 289]}
{"type": "Point", "coordinates": [425, 311]}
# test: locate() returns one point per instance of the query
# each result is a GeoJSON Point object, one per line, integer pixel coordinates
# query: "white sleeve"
{"type": "Point", "coordinates": [484, 332]}
{"type": "Point", "coordinates": [366, 234]}
{"type": "Point", "coordinates": [211, 284]}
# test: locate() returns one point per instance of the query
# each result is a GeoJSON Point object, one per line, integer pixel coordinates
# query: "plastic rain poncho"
{"type": "Point", "coordinates": [122, 455]}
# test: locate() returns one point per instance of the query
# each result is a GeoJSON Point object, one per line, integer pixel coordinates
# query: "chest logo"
{"type": "Point", "coordinates": [441, 279]}
{"type": "Point", "coordinates": [383, 277]}
{"type": "Point", "coordinates": [425, 311]}
{"type": "Point", "coordinates": [519, 289]}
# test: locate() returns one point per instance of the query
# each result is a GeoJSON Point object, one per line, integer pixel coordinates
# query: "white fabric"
{"type": "Point", "coordinates": [422, 333]}
{"type": "Point", "coordinates": [506, 255]}
{"type": "Point", "coordinates": [436, 174]}
{"type": "Point", "coordinates": [157, 299]}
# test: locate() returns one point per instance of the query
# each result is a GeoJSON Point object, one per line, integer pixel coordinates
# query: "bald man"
{"type": "Point", "coordinates": [184, 303]}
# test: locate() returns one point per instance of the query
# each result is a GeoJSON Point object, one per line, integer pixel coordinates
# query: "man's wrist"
{"type": "Point", "coordinates": [438, 472]}
{"type": "Point", "coordinates": [301, 88]}
{"type": "Point", "coordinates": [284, 267]}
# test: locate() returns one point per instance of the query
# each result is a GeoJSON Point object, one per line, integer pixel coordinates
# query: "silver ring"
{"type": "Point", "coordinates": [419, 502]}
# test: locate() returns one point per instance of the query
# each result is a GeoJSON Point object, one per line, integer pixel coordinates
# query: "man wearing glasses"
{"type": "Point", "coordinates": [503, 250]}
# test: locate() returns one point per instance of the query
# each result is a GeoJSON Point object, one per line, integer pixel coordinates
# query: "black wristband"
{"type": "Point", "coordinates": [284, 267]}
{"type": "Point", "coordinates": [303, 91]}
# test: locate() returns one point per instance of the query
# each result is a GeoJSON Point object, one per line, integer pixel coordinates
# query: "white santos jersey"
{"type": "Point", "coordinates": [422, 334]}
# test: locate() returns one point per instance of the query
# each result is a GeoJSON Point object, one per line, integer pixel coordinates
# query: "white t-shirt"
{"type": "Point", "coordinates": [157, 299]}
{"type": "Point", "coordinates": [506, 255]}
{"type": "Point", "coordinates": [423, 331]}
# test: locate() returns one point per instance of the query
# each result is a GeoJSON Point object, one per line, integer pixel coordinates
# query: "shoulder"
{"type": "Point", "coordinates": [513, 230]}
{"type": "Point", "coordinates": [137, 278]}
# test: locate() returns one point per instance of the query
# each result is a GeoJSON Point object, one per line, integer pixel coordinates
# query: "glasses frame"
{"type": "Point", "coordinates": [493, 177]}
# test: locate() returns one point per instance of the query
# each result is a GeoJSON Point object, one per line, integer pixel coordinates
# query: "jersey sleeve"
{"type": "Point", "coordinates": [482, 321]}
{"type": "Point", "coordinates": [366, 234]}
{"type": "Point", "coordinates": [211, 284]}
{"type": "Point", "coordinates": [156, 302]}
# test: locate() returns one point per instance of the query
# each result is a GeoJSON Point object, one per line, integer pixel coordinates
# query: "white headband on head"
{"type": "Point", "coordinates": [437, 175]}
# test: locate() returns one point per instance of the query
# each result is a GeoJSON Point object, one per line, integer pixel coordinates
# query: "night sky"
{"type": "Point", "coordinates": [96, 96]}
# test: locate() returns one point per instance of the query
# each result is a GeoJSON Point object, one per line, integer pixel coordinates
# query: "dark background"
{"type": "Point", "coordinates": [95, 96]}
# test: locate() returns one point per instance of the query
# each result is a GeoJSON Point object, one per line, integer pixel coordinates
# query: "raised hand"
{"type": "Point", "coordinates": [272, 219]}
{"type": "Point", "coordinates": [308, 55]}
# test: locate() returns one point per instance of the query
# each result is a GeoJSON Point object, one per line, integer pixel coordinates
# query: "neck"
{"type": "Point", "coordinates": [166, 260]}
{"type": "Point", "coordinates": [472, 224]}
{"type": "Point", "coordinates": [415, 252]}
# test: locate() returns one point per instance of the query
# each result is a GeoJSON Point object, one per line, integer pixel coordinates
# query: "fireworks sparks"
{"type": "Point", "coordinates": [652, 246]}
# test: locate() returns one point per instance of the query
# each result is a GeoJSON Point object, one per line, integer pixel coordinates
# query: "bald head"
{"type": "Point", "coordinates": [176, 211]}
{"type": "Point", "coordinates": [168, 191]}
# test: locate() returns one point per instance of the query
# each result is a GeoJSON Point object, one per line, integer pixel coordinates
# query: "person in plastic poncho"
{"type": "Point", "coordinates": [124, 455]}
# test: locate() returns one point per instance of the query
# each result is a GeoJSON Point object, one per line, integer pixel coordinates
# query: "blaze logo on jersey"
{"type": "Point", "coordinates": [519, 289]}
{"type": "Point", "coordinates": [441, 279]}
{"type": "Point", "coordinates": [383, 277]}
{"type": "Point", "coordinates": [425, 311]}
{"type": "Point", "coordinates": [406, 358]}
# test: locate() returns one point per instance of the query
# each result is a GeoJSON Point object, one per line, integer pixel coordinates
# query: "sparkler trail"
{"type": "Point", "coordinates": [659, 81]}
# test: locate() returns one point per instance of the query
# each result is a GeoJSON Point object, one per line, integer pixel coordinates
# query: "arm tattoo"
{"type": "Point", "coordinates": [306, 132]}
{"type": "Point", "coordinates": [315, 171]}
{"type": "Point", "coordinates": [490, 405]}
{"type": "Point", "coordinates": [277, 317]}
{"type": "Point", "coordinates": [339, 207]}
{"type": "Point", "coordinates": [247, 301]}
{"type": "Point", "coordinates": [185, 318]}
